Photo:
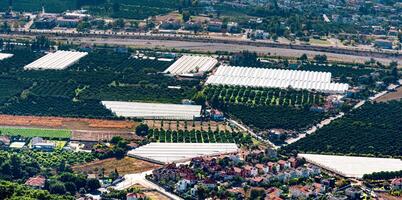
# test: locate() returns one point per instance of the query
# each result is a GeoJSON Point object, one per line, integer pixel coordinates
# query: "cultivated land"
{"type": "Point", "coordinates": [397, 95]}
{"type": "Point", "coordinates": [35, 132]}
{"type": "Point", "coordinates": [188, 125]}
{"type": "Point", "coordinates": [95, 135]}
{"type": "Point", "coordinates": [67, 123]}
{"type": "Point", "coordinates": [126, 165]}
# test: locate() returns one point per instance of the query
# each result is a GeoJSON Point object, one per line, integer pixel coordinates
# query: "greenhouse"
{"type": "Point", "coordinates": [58, 60]}
{"type": "Point", "coordinates": [192, 65]}
{"type": "Point", "coordinates": [352, 166]}
{"type": "Point", "coordinates": [5, 56]}
{"type": "Point", "coordinates": [154, 110]}
{"type": "Point", "coordinates": [275, 78]}
{"type": "Point", "coordinates": [180, 152]}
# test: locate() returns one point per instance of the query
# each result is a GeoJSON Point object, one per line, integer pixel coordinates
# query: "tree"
{"type": "Point", "coordinates": [57, 187]}
{"type": "Point", "coordinates": [320, 58]}
{"type": "Point", "coordinates": [303, 57]}
{"type": "Point", "coordinates": [93, 184]}
{"type": "Point", "coordinates": [186, 16]}
{"type": "Point", "coordinates": [142, 130]}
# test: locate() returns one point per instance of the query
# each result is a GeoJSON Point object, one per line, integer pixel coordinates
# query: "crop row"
{"type": "Point", "coordinates": [198, 136]}
{"type": "Point", "coordinates": [268, 96]}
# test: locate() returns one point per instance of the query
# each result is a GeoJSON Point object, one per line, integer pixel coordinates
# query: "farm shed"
{"type": "Point", "coordinates": [163, 153]}
{"type": "Point", "coordinates": [58, 60]}
{"type": "Point", "coordinates": [154, 110]}
{"type": "Point", "coordinates": [352, 166]}
{"type": "Point", "coordinates": [5, 56]}
{"type": "Point", "coordinates": [192, 65]}
{"type": "Point", "coordinates": [275, 78]}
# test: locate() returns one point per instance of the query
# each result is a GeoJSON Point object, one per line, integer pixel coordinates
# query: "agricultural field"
{"type": "Point", "coordinates": [33, 132]}
{"type": "Point", "coordinates": [257, 97]}
{"type": "Point", "coordinates": [188, 125]}
{"type": "Point", "coordinates": [78, 90]}
{"type": "Point", "coordinates": [374, 130]}
{"type": "Point", "coordinates": [126, 165]}
{"type": "Point", "coordinates": [266, 108]}
{"type": "Point", "coordinates": [198, 137]}
{"type": "Point", "coordinates": [67, 123]}
{"type": "Point", "coordinates": [391, 96]}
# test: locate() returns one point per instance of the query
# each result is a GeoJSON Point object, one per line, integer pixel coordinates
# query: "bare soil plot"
{"type": "Point", "coordinates": [67, 123]}
{"type": "Point", "coordinates": [127, 165]}
{"type": "Point", "coordinates": [397, 95]}
{"type": "Point", "coordinates": [94, 135]}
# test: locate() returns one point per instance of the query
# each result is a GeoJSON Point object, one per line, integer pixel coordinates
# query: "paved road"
{"type": "Point", "coordinates": [245, 128]}
{"type": "Point", "coordinates": [139, 178]}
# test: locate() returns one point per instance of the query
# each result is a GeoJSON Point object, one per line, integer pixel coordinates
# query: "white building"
{"type": "Point", "coordinates": [154, 110]}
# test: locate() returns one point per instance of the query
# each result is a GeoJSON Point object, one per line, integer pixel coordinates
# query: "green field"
{"type": "Point", "coordinates": [35, 132]}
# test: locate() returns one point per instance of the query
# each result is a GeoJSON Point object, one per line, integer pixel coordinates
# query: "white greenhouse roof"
{"type": "Point", "coordinates": [58, 60]}
{"type": "Point", "coordinates": [351, 166]}
{"type": "Point", "coordinates": [275, 78]}
{"type": "Point", "coordinates": [5, 56]}
{"type": "Point", "coordinates": [153, 110]}
{"type": "Point", "coordinates": [180, 152]}
{"type": "Point", "coordinates": [192, 64]}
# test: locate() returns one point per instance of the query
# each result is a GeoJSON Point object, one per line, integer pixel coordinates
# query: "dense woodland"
{"type": "Point", "coordinates": [77, 91]}
{"type": "Point", "coordinates": [374, 129]}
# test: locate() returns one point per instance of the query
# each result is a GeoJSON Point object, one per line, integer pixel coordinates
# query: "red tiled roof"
{"type": "Point", "coordinates": [38, 181]}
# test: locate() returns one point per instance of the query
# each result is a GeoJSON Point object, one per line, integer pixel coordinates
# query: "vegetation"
{"type": "Point", "coordinates": [266, 108]}
{"type": "Point", "coordinates": [78, 90]}
{"type": "Point", "coordinates": [13, 190]}
{"type": "Point", "coordinates": [383, 175]}
{"type": "Point", "coordinates": [268, 117]}
{"type": "Point", "coordinates": [35, 132]}
{"type": "Point", "coordinates": [220, 95]}
{"type": "Point", "coordinates": [198, 137]}
{"type": "Point", "coordinates": [373, 129]}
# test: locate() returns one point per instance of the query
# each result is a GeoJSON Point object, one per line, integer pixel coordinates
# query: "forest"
{"type": "Point", "coordinates": [372, 130]}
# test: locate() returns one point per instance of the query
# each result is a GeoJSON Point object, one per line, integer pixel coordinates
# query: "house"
{"type": "Point", "coordinates": [4, 140]}
{"type": "Point", "coordinates": [273, 193]}
{"type": "Point", "coordinates": [353, 193]}
{"type": "Point", "coordinates": [182, 185]}
{"type": "Point", "coordinates": [299, 191]}
{"type": "Point", "coordinates": [214, 26]}
{"type": "Point", "coordinates": [41, 144]}
{"type": "Point", "coordinates": [293, 162]}
{"type": "Point", "coordinates": [192, 25]}
{"type": "Point", "coordinates": [257, 180]}
{"type": "Point", "coordinates": [135, 196]}
{"type": "Point", "coordinates": [170, 24]}
{"type": "Point", "coordinates": [284, 164]}
{"type": "Point", "coordinates": [209, 183]}
{"type": "Point", "coordinates": [216, 115]}
{"type": "Point", "coordinates": [37, 182]}
{"type": "Point", "coordinates": [396, 184]}
{"type": "Point", "coordinates": [383, 44]}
